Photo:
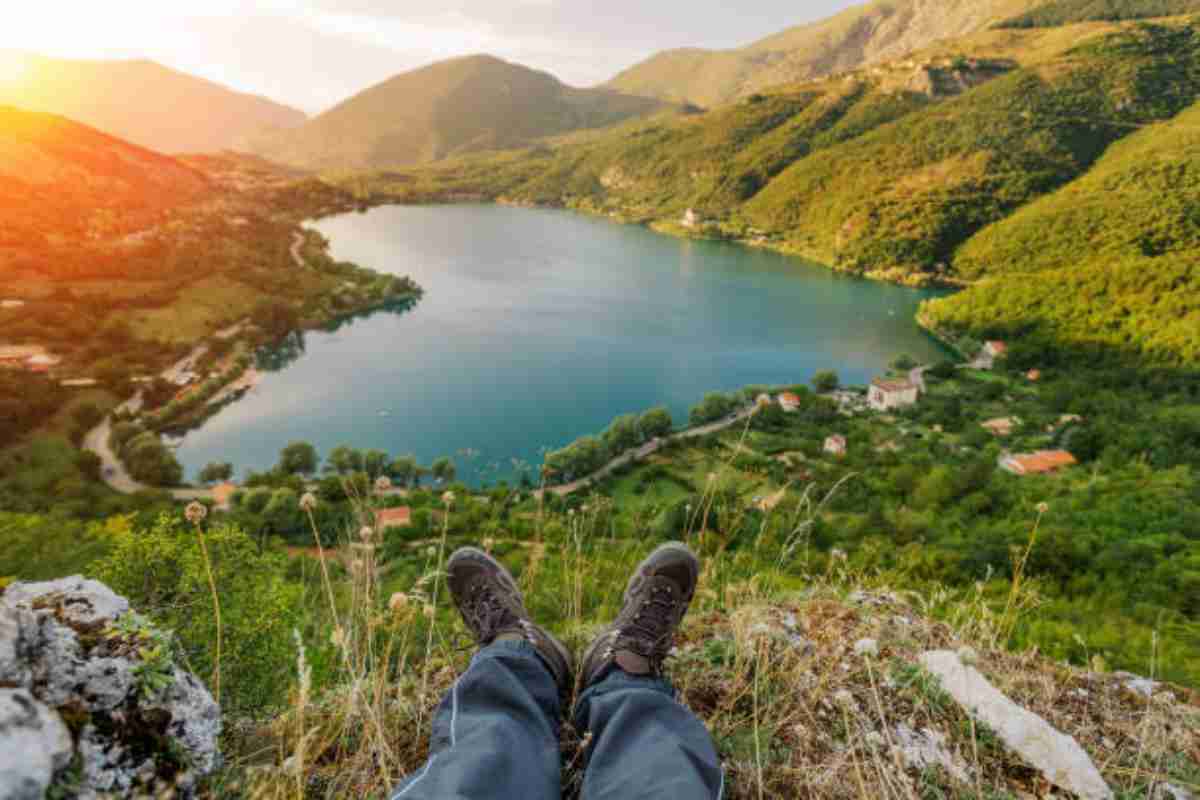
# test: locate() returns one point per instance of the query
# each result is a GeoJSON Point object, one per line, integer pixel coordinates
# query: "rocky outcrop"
{"type": "Point", "coordinates": [1059, 757]}
{"type": "Point", "coordinates": [93, 689]}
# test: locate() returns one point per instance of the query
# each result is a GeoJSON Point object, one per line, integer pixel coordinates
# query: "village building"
{"type": "Point", "coordinates": [11, 305]}
{"type": "Point", "coordinates": [1034, 375]}
{"type": "Point", "coordinates": [79, 383]}
{"type": "Point", "coordinates": [17, 356]}
{"type": "Point", "coordinates": [996, 349]}
{"type": "Point", "coordinates": [1039, 463]}
{"type": "Point", "coordinates": [789, 402]}
{"type": "Point", "coordinates": [764, 401]}
{"type": "Point", "coordinates": [836, 445]}
{"type": "Point", "coordinates": [690, 219]}
{"type": "Point", "coordinates": [886, 394]}
{"type": "Point", "coordinates": [386, 518]}
{"type": "Point", "coordinates": [42, 363]}
{"type": "Point", "coordinates": [223, 496]}
{"type": "Point", "coordinates": [1001, 427]}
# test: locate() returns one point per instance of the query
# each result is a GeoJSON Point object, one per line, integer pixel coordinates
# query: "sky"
{"type": "Point", "coordinates": [314, 53]}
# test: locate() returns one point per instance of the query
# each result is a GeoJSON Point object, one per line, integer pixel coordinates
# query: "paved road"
{"type": "Point", "coordinates": [647, 450]}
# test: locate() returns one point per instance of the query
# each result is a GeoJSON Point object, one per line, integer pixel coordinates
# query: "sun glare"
{"type": "Point", "coordinates": [13, 67]}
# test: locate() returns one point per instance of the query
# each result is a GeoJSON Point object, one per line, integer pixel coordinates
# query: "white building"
{"type": "Point", "coordinates": [690, 219]}
{"type": "Point", "coordinates": [887, 394]}
{"type": "Point", "coordinates": [836, 445]}
{"type": "Point", "coordinates": [789, 402]}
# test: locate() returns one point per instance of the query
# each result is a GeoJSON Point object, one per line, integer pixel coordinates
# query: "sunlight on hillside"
{"type": "Point", "coordinates": [13, 67]}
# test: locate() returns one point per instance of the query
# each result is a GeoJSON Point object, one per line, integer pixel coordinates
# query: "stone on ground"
{"type": "Point", "coordinates": [34, 745]}
{"type": "Point", "coordinates": [1057, 756]}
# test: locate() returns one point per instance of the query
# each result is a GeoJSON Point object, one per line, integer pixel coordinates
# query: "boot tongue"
{"type": "Point", "coordinates": [632, 662]}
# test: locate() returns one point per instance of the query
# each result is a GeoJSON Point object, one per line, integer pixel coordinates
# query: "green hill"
{"type": "Point", "coordinates": [863, 35]}
{"type": "Point", "coordinates": [89, 184]}
{"type": "Point", "coordinates": [1065, 12]}
{"type": "Point", "coordinates": [459, 106]}
{"type": "Point", "coordinates": [1126, 237]}
{"type": "Point", "coordinates": [144, 103]}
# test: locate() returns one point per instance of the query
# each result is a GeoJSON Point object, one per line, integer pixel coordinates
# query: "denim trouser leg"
{"type": "Point", "coordinates": [495, 735]}
{"type": "Point", "coordinates": [645, 745]}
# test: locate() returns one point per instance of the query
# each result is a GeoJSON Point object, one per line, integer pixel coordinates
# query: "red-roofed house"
{"type": "Point", "coordinates": [393, 518]}
{"type": "Point", "coordinates": [1038, 463]}
{"type": "Point", "coordinates": [836, 445]}
{"type": "Point", "coordinates": [996, 349]}
{"type": "Point", "coordinates": [789, 401]}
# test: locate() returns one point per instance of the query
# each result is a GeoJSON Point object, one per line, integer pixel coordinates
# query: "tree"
{"type": "Point", "coordinates": [714, 406]}
{"type": "Point", "coordinates": [443, 470]}
{"type": "Point", "coordinates": [943, 370]}
{"type": "Point", "coordinates": [375, 462]}
{"type": "Point", "coordinates": [655, 423]}
{"type": "Point", "coordinates": [149, 461]}
{"type": "Point", "coordinates": [216, 472]}
{"type": "Point", "coordinates": [298, 458]}
{"type": "Point", "coordinates": [826, 381]}
{"type": "Point", "coordinates": [623, 434]}
{"type": "Point", "coordinates": [402, 470]}
{"type": "Point", "coordinates": [88, 416]}
{"type": "Point", "coordinates": [343, 460]}
{"type": "Point", "coordinates": [904, 363]}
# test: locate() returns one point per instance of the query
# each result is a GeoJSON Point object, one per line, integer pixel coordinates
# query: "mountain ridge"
{"type": "Point", "coordinates": [175, 113]}
{"type": "Point", "coordinates": [461, 105]}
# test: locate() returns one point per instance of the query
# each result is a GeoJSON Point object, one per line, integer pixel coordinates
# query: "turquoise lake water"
{"type": "Point", "coordinates": [540, 326]}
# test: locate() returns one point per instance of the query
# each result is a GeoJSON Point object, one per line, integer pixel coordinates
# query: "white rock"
{"type": "Point", "coordinates": [1169, 791]}
{"type": "Point", "coordinates": [34, 744]}
{"type": "Point", "coordinates": [866, 647]}
{"type": "Point", "coordinates": [1059, 757]}
{"type": "Point", "coordinates": [1143, 686]}
{"type": "Point", "coordinates": [927, 748]}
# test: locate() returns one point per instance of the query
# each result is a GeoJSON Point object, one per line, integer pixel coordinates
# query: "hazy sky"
{"type": "Point", "coordinates": [314, 53]}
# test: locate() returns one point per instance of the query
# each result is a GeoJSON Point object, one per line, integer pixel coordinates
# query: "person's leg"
{"type": "Point", "coordinates": [644, 744]}
{"type": "Point", "coordinates": [495, 735]}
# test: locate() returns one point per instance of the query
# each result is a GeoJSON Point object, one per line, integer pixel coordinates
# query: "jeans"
{"type": "Point", "coordinates": [495, 737]}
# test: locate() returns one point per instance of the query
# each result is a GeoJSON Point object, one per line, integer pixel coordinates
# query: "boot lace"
{"type": "Point", "coordinates": [648, 633]}
{"type": "Point", "coordinates": [486, 614]}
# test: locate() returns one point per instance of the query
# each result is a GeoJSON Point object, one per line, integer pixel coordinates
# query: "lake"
{"type": "Point", "coordinates": [539, 326]}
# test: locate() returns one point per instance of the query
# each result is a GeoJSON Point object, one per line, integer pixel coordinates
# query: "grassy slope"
{"type": "Point", "coordinates": [1065, 12]}
{"type": "Point", "coordinates": [453, 107]}
{"type": "Point", "coordinates": [1109, 260]}
{"type": "Point", "coordinates": [904, 197]}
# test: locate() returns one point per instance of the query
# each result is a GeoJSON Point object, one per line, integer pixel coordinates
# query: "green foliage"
{"type": "Point", "coordinates": [36, 547]}
{"type": "Point", "coordinates": [298, 458]}
{"type": "Point", "coordinates": [151, 462]}
{"type": "Point", "coordinates": [161, 570]}
{"type": "Point", "coordinates": [216, 472]}
{"type": "Point", "coordinates": [713, 407]}
{"type": "Point", "coordinates": [155, 649]}
{"type": "Point", "coordinates": [825, 381]}
{"type": "Point", "coordinates": [1065, 12]}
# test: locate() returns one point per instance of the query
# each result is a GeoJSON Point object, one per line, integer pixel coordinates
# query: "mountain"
{"type": "Point", "coordinates": [863, 35]}
{"type": "Point", "coordinates": [1064, 12]}
{"type": "Point", "coordinates": [85, 184]}
{"type": "Point", "coordinates": [144, 103]}
{"type": "Point", "coordinates": [900, 171]}
{"type": "Point", "coordinates": [449, 108]}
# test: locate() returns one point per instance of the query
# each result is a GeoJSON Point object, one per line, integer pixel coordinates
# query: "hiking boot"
{"type": "Point", "coordinates": [492, 608]}
{"type": "Point", "coordinates": [656, 600]}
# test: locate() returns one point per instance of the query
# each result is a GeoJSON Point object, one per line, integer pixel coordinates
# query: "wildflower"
{"type": "Point", "coordinates": [308, 501]}
{"type": "Point", "coordinates": [1043, 507]}
{"type": "Point", "coordinates": [570, 512]}
{"type": "Point", "coordinates": [383, 484]}
{"type": "Point", "coordinates": [366, 533]}
{"type": "Point", "coordinates": [195, 512]}
{"type": "Point", "coordinates": [837, 554]}
{"type": "Point", "coordinates": [427, 611]}
{"type": "Point", "coordinates": [431, 551]}
{"type": "Point", "coordinates": [488, 544]}
{"type": "Point", "coordinates": [356, 566]}
{"type": "Point", "coordinates": [398, 601]}
{"type": "Point", "coordinates": [448, 498]}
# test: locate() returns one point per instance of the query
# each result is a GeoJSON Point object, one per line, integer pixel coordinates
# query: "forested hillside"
{"type": "Point", "coordinates": [459, 106]}
{"type": "Point", "coordinates": [1064, 12]}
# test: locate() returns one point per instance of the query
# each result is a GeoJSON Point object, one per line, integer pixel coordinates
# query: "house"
{"type": "Point", "coordinates": [996, 349]}
{"type": "Point", "coordinates": [763, 401]}
{"type": "Point", "coordinates": [836, 445]}
{"type": "Point", "coordinates": [386, 518]}
{"type": "Point", "coordinates": [1034, 375]}
{"type": "Point", "coordinates": [11, 305]}
{"type": "Point", "coordinates": [690, 219]}
{"type": "Point", "coordinates": [789, 402]}
{"type": "Point", "coordinates": [888, 393]}
{"type": "Point", "coordinates": [17, 356]}
{"type": "Point", "coordinates": [79, 383]}
{"type": "Point", "coordinates": [1001, 427]}
{"type": "Point", "coordinates": [223, 495]}
{"type": "Point", "coordinates": [42, 363]}
{"type": "Point", "coordinates": [1039, 463]}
